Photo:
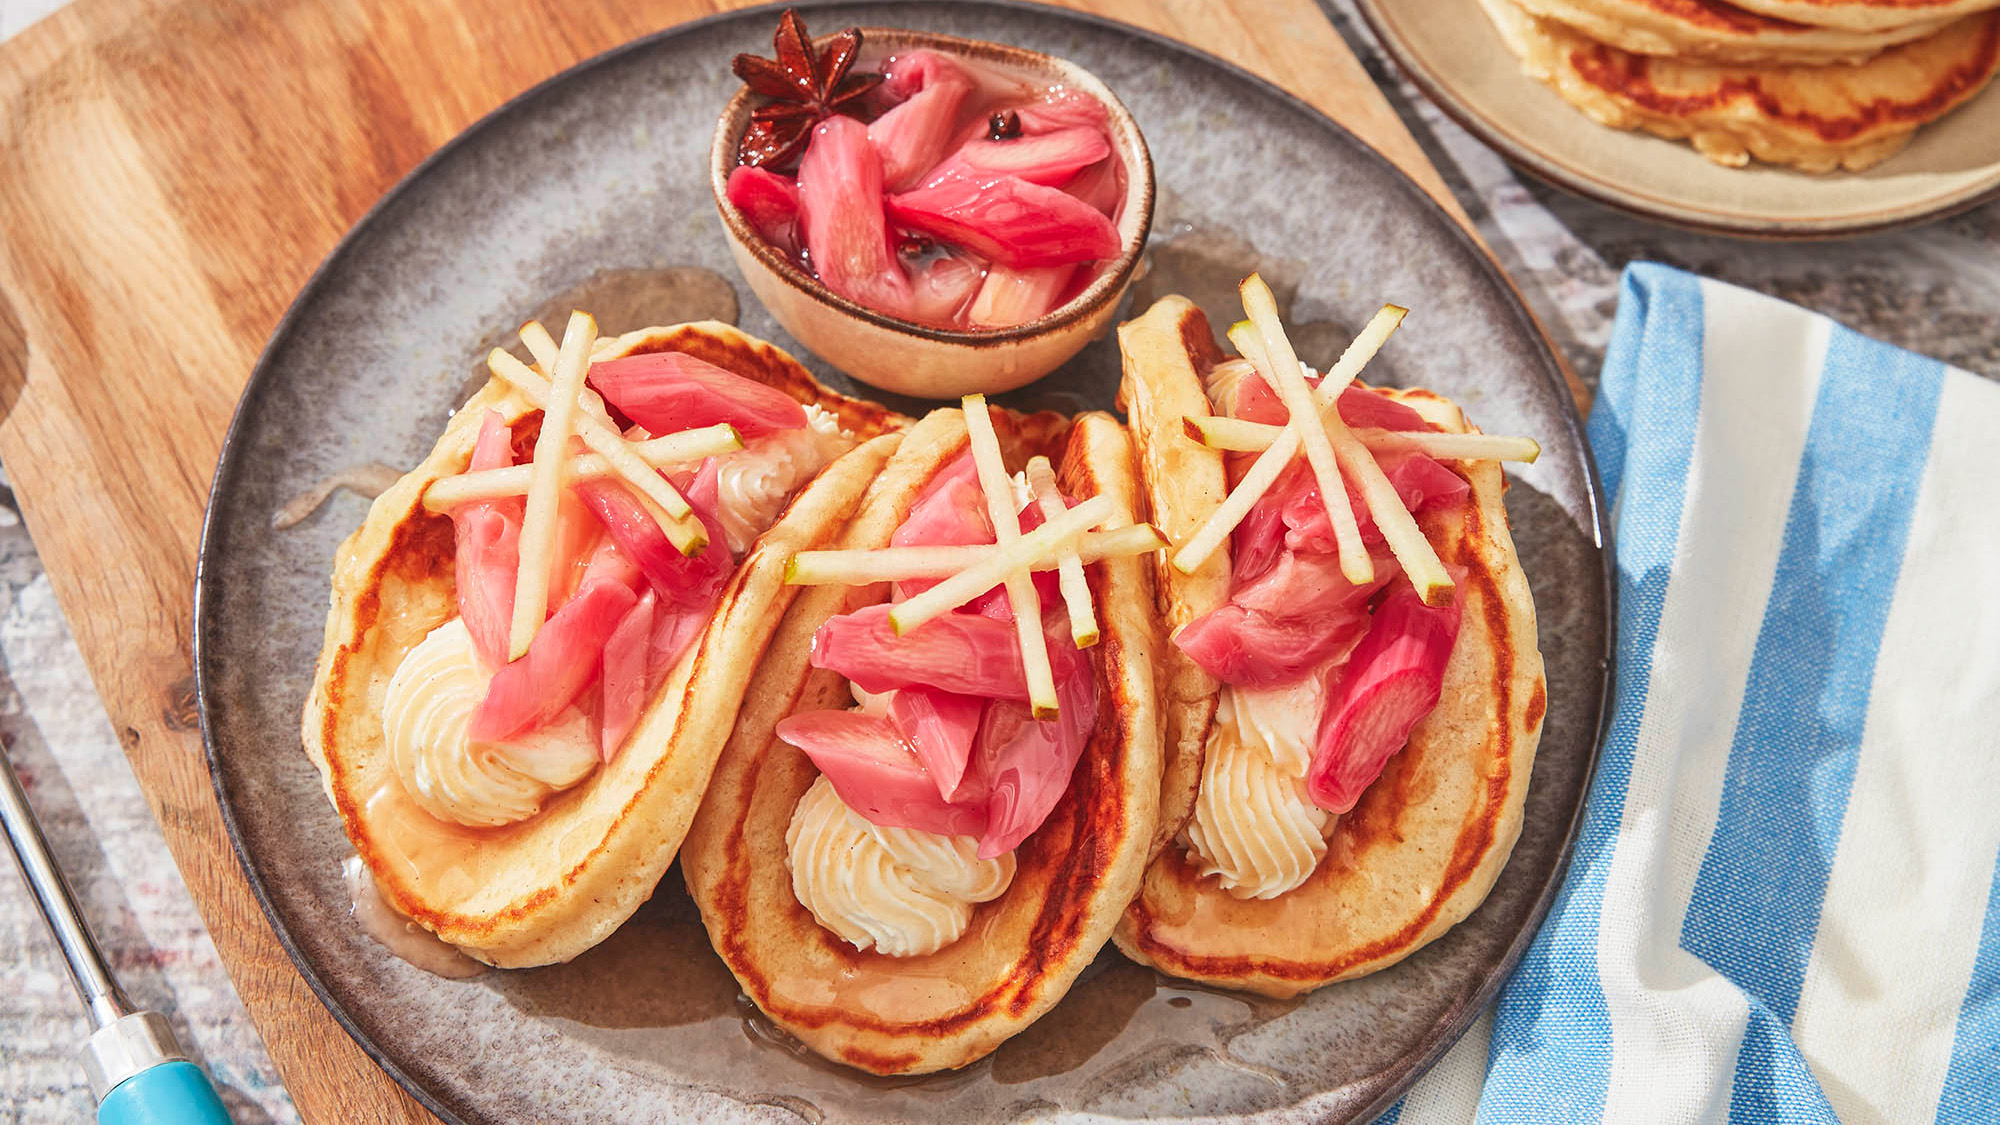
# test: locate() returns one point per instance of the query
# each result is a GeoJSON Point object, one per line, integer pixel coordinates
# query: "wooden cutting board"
{"type": "Point", "coordinates": [174, 172]}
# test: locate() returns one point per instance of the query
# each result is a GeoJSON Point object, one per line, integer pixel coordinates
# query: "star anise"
{"type": "Point", "coordinates": [805, 87]}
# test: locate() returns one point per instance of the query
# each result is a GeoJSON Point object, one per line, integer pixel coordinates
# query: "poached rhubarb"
{"type": "Point", "coordinates": [560, 662]}
{"type": "Point", "coordinates": [967, 653]}
{"type": "Point", "coordinates": [970, 199]}
{"type": "Point", "coordinates": [489, 545]}
{"type": "Point", "coordinates": [1297, 615]}
{"type": "Point", "coordinates": [1008, 220]}
{"type": "Point", "coordinates": [940, 725]}
{"type": "Point", "coordinates": [1050, 159]}
{"type": "Point", "coordinates": [626, 653]}
{"type": "Point", "coordinates": [840, 211]}
{"type": "Point", "coordinates": [1393, 680]}
{"type": "Point", "coordinates": [916, 133]}
{"type": "Point", "coordinates": [877, 773]}
{"type": "Point", "coordinates": [769, 201]}
{"type": "Point", "coordinates": [666, 392]}
{"type": "Point", "coordinates": [957, 750]}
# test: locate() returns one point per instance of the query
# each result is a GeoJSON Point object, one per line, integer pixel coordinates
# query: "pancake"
{"type": "Point", "coordinates": [1427, 840]}
{"type": "Point", "coordinates": [1173, 335]}
{"type": "Point", "coordinates": [1073, 877]}
{"type": "Point", "coordinates": [1865, 15]}
{"type": "Point", "coordinates": [1714, 31]}
{"type": "Point", "coordinates": [549, 887]}
{"type": "Point", "coordinates": [1813, 118]}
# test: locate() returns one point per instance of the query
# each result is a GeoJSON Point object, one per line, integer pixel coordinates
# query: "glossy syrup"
{"type": "Point", "coordinates": [1204, 261]}
{"type": "Point", "coordinates": [625, 300]}
{"type": "Point", "coordinates": [621, 300]}
{"type": "Point", "coordinates": [398, 934]}
{"type": "Point", "coordinates": [656, 996]}
{"type": "Point", "coordinates": [367, 480]}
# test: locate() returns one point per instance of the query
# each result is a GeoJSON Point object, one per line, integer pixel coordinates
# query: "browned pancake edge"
{"type": "Point", "coordinates": [1424, 845]}
{"type": "Point", "coordinates": [1073, 877]}
{"type": "Point", "coordinates": [543, 897]}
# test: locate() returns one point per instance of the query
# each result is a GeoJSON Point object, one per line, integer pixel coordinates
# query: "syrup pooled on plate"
{"type": "Point", "coordinates": [953, 193]}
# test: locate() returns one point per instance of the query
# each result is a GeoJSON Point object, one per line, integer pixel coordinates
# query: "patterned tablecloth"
{"type": "Point", "coordinates": [1934, 290]}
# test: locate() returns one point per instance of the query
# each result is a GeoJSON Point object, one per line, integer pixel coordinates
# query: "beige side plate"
{"type": "Point", "coordinates": [1451, 51]}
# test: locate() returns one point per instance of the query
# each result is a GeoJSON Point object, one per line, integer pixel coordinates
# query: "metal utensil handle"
{"type": "Point", "coordinates": [87, 970]}
{"type": "Point", "coordinates": [137, 1071]}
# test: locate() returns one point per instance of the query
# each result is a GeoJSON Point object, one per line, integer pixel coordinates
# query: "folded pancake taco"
{"type": "Point", "coordinates": [539, 637]}
{"type": "Point", "coordinates": [943, 783]}
{"type": "Point", "coordinates": [1378, 694]}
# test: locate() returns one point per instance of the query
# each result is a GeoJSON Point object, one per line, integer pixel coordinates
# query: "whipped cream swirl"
{"type": "Point", "coordinates": [1281, 720]}
{"type": "Point", "coordinates": [1254, 827]}
{"type": "Point", "coordinates": [899, 891]}
{"type": "Point", "coordinates": [1222, 380]}
{"type": "Point", "coordinates": [1225, 379]}
{"type": "Point", "coordinates": [754, 483]}
{"type": "Point", "coordinates": [426, 723]}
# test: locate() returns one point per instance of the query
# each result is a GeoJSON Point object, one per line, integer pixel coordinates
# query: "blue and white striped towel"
{"type": "Point", "coordinates": [1784, 904]}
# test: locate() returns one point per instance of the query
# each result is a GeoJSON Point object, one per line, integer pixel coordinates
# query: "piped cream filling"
{"type": "Point", "coordinates": [898, 891]}
{"type": "Point", "coordinates": [1254, 828]}
{"type": "Point", "coordinates": [754, 484]}
{"type": "Point", "coordinates": [426, 723]}
{"type": "Point", "coordinates": [1222, 381]}
{"type": "Point", "coordinates": [1282, 721]}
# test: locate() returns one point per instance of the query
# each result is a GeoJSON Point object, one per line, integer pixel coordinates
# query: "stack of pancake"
{"type": "Point", "coordinates": [1816, 84]}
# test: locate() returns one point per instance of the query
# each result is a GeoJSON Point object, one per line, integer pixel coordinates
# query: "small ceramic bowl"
{"type": "Point", "coordinates": [920, 359]}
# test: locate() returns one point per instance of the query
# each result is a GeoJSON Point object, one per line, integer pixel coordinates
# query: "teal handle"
{"type": "Point", "coordinates": [172, 1093]}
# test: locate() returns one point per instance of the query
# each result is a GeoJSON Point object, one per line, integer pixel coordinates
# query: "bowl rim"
{"type": "Point", "coordinates": [1107, 287]}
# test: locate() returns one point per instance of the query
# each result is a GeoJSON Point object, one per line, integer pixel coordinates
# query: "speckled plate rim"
{"type": "Point", "coordinates": [232, 461]}
{"type": "Point", "coordinates": [1734, 223]}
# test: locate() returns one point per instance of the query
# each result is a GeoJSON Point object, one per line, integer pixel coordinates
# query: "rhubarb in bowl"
{"type": "Point", "coordinates": [933, 215]}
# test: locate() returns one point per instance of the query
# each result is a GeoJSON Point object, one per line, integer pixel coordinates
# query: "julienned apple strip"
{"type": "Point", "coordinates": [1021, 593]}
{"type": "Point", "coordinates": [1236, 435]}
{"type": "Point", "coordinates": [1270, 351]}
{"type": "Point", "coordinates": [992, 568]}
{"type": "Point", "coordinates": [867, 566]}
{"type": "Point", "coordinates": [492, 484]}
{"type": "Point", "coordinates": [1317, 415]}
{"type": "Point", "coordinates": [545, 484]}
{"type": "Point", "coordinates": [1214, 532]}
{"type": "Point", "coordinates": [1069, 566]}
{"type": "Point", "coordinates": [676, 518]}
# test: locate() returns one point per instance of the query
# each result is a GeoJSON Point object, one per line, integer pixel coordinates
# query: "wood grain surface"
{"type": "Point", "coordinates": [174, 172]}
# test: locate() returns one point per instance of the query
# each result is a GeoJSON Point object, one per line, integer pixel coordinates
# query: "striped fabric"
{"type": "Point", "coordinates": [1784, 904]}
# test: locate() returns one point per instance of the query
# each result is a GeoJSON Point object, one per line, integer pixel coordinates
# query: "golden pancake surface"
{"type": "Point", "coordinates": [1866, 15]}
{"type": "Point", "coordinates": [1174, 336]}
{"type": "Point", "coordinates": [549, 887]}
{"type": "Point", "coordinates": [1429, 837]}
{"type": "Point", "coordinates": [1815, 118]}
{"type": "Point", "coordinates": [1716, 31]}
{"type": "Point", "coordinates": [1073, 876]}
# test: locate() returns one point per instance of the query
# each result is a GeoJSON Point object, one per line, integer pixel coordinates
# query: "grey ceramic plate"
{"type": "Point", "coordinates": [1451, 51]}
{"type": "Point", "coordinates": [604, 167]}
